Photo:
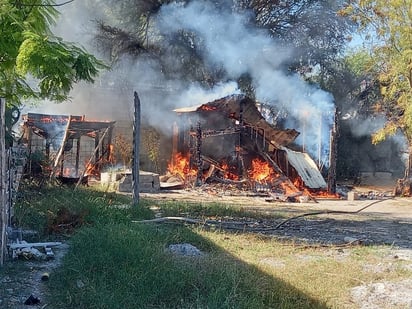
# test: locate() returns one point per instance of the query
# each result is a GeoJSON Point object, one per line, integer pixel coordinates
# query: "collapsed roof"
{"type": "Point", "coordinates": [244, 110]}
{"type": "Point", "coordinates": [48, 126]}
{"type": "Point", "coordinates": [240, 107]}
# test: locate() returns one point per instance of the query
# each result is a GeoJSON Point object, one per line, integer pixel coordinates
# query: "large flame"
{"type": "Point", "coordinates": [180, 166]}
{"type": "Point", "coordinates": [228, 174]}
{"type": "Point", "coordinates": [260, 170]}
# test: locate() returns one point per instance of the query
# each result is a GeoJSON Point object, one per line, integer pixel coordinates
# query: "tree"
{"type": "Point", "coordinates": [312, 27]}
{"type": "Point", "coordinates": [35, 64]}
{"type": "Point", "coordinates": [387, 25]}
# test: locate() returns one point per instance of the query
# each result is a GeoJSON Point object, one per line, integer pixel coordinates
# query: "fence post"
{"type": "Point", "coordinates": [136, 149]}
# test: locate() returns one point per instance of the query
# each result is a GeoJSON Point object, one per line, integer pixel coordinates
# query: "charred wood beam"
{"type": "Point", "coordinates": [333, 155]}
{"type": "Point", "coordinates": [227, 181]}
{"type": "Point", "coordinates": [77, 155]}
{"type": "Point", "coordinates": [240, 141]}
{"type": "Point", "coordinates": [212, 133]}
{"type": "Point", "coordinates": [199, 161]}
{"type": "Point", "coordinates": [268, 159]}
{"type": "Point", "coordinates": [213, 162]}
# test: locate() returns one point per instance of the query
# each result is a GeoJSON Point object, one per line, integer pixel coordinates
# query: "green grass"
{"type": "Point", "coordinates": [205, 210]}
{"type": "Point", "coordinates": [128, 266]}
{"type": "Point", "coordinates": [115, 263]}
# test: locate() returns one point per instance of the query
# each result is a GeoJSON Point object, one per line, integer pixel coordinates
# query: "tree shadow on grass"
{"type": "Point", "coordinates": [129, 266]}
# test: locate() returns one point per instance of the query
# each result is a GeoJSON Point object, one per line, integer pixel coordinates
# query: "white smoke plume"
{"type": "Point", "coordinates": [230, 41]}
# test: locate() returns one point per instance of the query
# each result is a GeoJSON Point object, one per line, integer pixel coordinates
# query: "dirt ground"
{"type": "Point", "coordinates": [376, 218]}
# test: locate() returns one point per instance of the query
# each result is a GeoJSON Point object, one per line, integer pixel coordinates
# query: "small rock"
{"type": "Point", "coordinates": [80, 284]}
{"type": "Point", "coordinates": [351, 240]}
{"type": "Point", "coordinates": [185, 250]}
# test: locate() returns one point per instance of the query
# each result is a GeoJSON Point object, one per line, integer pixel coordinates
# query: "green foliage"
{"type": "Point", "coordinates": [115, 263]}
{"type": "Point", "coordinates": [151, 145]}
{"type": "Point", "coordinates": [202, 210]}
{"type": "Point", "coordinates": [359, 62]}
{"type": "Point", "coordinates": [388, 24]}
{"type": "Point", "coordinates": [33, 62]}
{"type": "Point", "coordinates": [43, 210]}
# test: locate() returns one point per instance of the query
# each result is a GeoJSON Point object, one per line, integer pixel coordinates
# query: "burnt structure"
{"type": "Point", "coordinates": [68, 147]}
{"type": "Point", "coordinates": [223, 139]}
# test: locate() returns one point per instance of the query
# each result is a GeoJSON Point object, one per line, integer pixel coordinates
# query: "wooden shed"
{"type": "Point", "coordinates": [67, 146]}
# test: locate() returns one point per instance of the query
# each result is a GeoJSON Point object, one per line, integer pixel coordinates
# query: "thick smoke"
{"type": "Point", "coordinates": [230, 41]}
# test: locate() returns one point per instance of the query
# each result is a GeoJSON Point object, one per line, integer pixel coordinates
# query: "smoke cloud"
{"type": "Point", "coordinates": [230, 41]}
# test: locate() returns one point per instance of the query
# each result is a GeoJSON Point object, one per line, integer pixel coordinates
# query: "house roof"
{"type": "Point", "coordinates": [240, 106]}
{"type": "Point", "coordinates": [48, 125]}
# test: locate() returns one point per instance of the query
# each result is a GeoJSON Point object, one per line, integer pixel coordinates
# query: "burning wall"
{"type": "Point", "coordinates": [228, 140]}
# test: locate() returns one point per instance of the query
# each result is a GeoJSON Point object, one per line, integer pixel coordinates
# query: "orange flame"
{"type": "Point", "coordinates": [288, 189]}
{"type": "Point", "coordinates": [91, 169]}
{"type": "Point", "coordinates": [180, 166]}
{"type": "Point", "coordinates": [227, 173]}
{"type": "Point", "coordinates": [208, 108]}
{"type": "Point", "coordinates": [68, 172]}
{"type": "Point", "coordinates": [260, 170]}
{"type": "Point", "coordinates": [111, 159]}
{"type": "Point", "coordinates": [325, 194]}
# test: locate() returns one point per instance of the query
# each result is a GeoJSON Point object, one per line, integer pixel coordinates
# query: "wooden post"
{"type": "Point", "coordinates": [96, 146]}
{"type": "Point", "coordinates": [136, 149]}
{"type": "Point", "coordinates": [175, 136]}
{"type": "Point", "coordinates": [61, 150]}
{"type": "Point", "coordinates": [199, 155]}
{"type": "Point", "coordinates": [333, 155]}
{"type": "Point", "coordinates": [240, 142]}
{"type": "Point", "coordinates": [109, 144]}
{"type": "Point", "coordinates": [3, 177]}
{"type": "Point", "coordinates": [77, 155]}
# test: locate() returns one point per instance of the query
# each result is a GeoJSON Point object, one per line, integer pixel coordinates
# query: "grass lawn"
{"type": "Point", "coordinates": [115, 263]}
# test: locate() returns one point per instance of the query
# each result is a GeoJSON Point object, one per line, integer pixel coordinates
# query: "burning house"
{"type": "Point", "coordinates": [68, 147]}
{"type": "Point", "coordinates": [229, 141]}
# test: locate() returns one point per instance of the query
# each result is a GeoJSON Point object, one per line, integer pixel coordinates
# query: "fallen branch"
{"type": "Point", "coordinates": [164, 219]}
{"type": "Point", "coordinates": [244, 226]}
{"type": "Point", "coordinates": [210, 223]}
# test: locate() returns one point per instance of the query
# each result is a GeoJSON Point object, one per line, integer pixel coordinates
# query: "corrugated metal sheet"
{"type": "Point", "coordinates": [306, 169]}
{"type": "Point", "coordinates": [189, 109]}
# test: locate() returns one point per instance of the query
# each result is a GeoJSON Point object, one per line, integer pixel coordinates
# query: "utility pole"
{"type": "Point", "coordinates": [136, 149]}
